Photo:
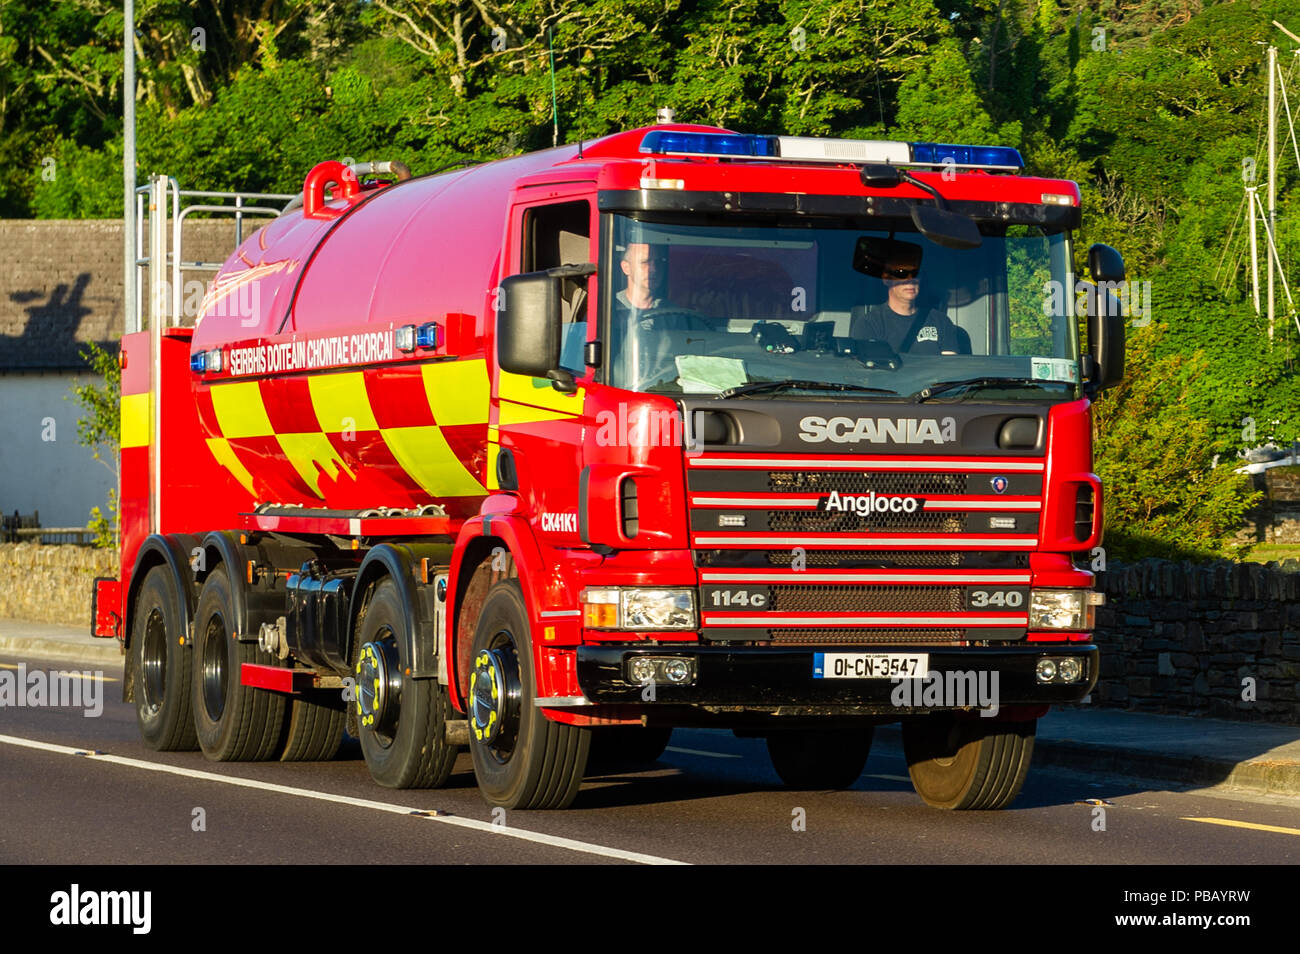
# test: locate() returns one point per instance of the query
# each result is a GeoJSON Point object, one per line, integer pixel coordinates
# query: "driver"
{"type": "Point", "coordinates": [643, 266]}
{"type": "Point", "coordinates": [900, 320]}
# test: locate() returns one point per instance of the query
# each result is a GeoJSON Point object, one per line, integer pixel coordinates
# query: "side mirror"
{"type": "Point", "coordinates": [1105, 264]}
{"type": "Point", "coordinates": [1106, 322]}
{"type": "Point", "coordinates": [949, 229]}
{"type": "Point", "coordinates": [1106, 330]}
{"type": "Point", "coordinates": [528, 324]}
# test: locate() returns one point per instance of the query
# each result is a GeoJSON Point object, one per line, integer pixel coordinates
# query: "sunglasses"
{"type": "Point", "coordinates": [901, 272]}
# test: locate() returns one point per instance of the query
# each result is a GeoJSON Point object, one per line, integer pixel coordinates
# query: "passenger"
{"type": "Point", "coordinates": [899, 320]}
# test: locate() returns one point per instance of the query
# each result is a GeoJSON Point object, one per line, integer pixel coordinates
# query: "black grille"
{"type": "Point", "coordinates": [864, 636]}
{"type": "Point", "coordinates": [851, 558]}
{"type": "Point", "coordinates": [907, 483]}
{"type": "Point", "coordinates": [838, 521]}
{"type": "Point", "coordinates": [861, 599]}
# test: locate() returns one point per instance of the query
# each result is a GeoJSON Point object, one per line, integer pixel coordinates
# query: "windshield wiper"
{"type": "Point", "coordinates": [757, 387]}
{"type": "Point", "coordinates": [934, 389]}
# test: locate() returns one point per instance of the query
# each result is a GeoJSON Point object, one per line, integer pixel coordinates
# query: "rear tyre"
{"type": "Point", "coordinates": [968, 764]}
{"type": "Point", "coordinates": [315, 729]}
{"type": "Point", "coordinates": [402, 722]}
{"type": "Point", "coordinates": [628, 744]}
{"type": "Point", "coordinates": [521, 759]}
{"type": "Point", "coordinates": [162, 660]}
{"type": "Point", "coordinates": [235, 723]}
{"type": "Point", "coordinates": [815, 759]}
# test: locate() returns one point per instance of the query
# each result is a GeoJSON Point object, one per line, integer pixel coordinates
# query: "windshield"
{"type": "Point", "coordinates": [771, 308]}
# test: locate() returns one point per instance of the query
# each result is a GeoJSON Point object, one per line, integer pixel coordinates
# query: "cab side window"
{"type": "Point", "coordinates": [561, 235]}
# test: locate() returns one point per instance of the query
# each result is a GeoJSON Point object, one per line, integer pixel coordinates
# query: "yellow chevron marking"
{"type": "Point", "coordinates": [457, 391]}
{"type": "Point", "coordinates": [225, 456]}
{"type": "Point", "coordinates": [310, 454]}
{"type": "Point", "coordinates": [339, 399]}
{"type": "Point", "coordinates": [424, 454]}
{"type": "Point", "coordinates": [240, 411]}
{"type": "Point", "coordinates": [136, 417]}
{"type": "Point", "coordinates": [539, 393]}
{"type": "Point", "coordinates": [493, 452]}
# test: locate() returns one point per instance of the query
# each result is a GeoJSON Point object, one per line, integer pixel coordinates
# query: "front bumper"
{"type": "Point", "coordinates": [765, 676]}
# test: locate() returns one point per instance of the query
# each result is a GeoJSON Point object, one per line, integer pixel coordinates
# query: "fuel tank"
{"type": "Point", "coordinates": [342, 355]}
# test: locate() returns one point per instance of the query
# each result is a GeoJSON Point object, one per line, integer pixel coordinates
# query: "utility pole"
{"type": "Point", "coordinates": [1272, 176]}
{"type": "Point", "coordinates": [129, 311]}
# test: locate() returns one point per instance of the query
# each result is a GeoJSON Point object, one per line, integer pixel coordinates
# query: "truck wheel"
{"type": "Point", "coordinates": [315, 729]}
{"type": "Point", "coordinates": [162, 660]}
{"type": "Point", "coordinates": [521, 759]}
{"type": "Point", "coordinates": [401, 721]}
{"type": "Point", "coordinates": [963, 764]}
{"type": "Point", "coordinates": [628, 744]}
{"type": "Point", "coordinates": [814, 759]}
{"type": "Point", "coordinates": [235, 723]}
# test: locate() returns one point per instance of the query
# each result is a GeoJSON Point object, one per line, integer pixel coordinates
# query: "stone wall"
{"type": "Point", "coordinates": [51, 583]}
{"type": "Point", "coordinates": [1191, 640]}
{"type": "Point", "coordinates": [1277, 517]}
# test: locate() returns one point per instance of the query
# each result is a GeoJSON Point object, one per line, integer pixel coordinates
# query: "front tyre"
{"type": "Point", "coordinates": [968, 763]}
{"type": "Point", "coordinates": [521, 759]}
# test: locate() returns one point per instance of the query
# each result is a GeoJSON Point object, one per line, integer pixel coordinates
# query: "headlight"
{"type": "Point", "coordinates": [1061, 609]}
{"type": "Point", "coordinates": [639, 609]}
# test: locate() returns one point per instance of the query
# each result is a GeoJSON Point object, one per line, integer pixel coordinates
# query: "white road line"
{"type": "Point", "coordinates": [891, 778]}
{"type": "Point", "coordinates": [534, 836]}
{"type": "Point", "coordinates": [715, 755]}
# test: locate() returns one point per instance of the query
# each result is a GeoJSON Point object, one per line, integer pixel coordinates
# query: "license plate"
{"type": "Point", "coordinates": [870, 665]}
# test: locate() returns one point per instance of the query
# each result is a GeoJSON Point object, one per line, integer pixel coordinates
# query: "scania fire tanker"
{"type": "Point", "coordinates": [678, 427]}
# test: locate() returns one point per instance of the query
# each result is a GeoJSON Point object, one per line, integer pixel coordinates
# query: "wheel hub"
{"type": "Point", "coordinates": [379, 683]}
{"type": "Point", "coordinates": [494, 698]}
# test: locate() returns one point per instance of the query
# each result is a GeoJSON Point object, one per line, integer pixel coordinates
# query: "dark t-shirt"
{"type": "Point", "coordinates": [929, 334]}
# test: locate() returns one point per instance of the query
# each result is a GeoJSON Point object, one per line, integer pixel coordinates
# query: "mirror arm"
{"type": "Point", "coordinates": [940, 202]}
{"type": "Point", "coordinates": [562, 381]}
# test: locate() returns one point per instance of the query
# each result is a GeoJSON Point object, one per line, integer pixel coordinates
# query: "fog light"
{"type": "Point", "coordinates": [1046, 670]}
{"type": "Point", "coordinates": [663, 670]}
{"type": "Point", "coordinates": [1070, 669]}
{"type": "Point", "coordinates": [677, 670]}
{"type": "Point", "coordinates": [642, 669]}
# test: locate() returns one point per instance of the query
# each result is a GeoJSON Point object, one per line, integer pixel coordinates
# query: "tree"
{"type": "Point", "coordinates": [99, 428]}
{"type": "Point", "coordinates": [1171, 489]}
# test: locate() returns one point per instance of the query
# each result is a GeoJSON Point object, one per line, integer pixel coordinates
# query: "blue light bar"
{"type": "Point", "coordinates": [428, 335]}
{"type": "Point", "coordinates": [981, 157]}
{"type": "Point", "coordinates": [198, 362]}
{"type": "Point", "coordinates": [667, 142]}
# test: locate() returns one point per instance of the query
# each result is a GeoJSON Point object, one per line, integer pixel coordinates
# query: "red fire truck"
{"type": "Point", "coordinates": [678, 427]}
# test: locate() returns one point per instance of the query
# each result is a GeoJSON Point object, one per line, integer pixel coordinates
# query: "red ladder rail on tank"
{"type": "Point", "coordinates": [679, 427]}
